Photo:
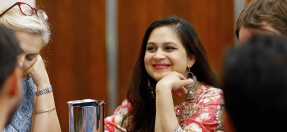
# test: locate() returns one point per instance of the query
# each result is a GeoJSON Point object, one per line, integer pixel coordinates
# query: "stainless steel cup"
{"type": "Point", "coordinates": [86, 115]}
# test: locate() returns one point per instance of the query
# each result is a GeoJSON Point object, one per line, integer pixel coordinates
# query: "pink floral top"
{"type": "Point", "coordinates": [203, 114]}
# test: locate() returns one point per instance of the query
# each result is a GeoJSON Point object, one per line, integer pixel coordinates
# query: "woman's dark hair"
{"type": "Point", "coordinates": [255, 86]}
{"type": "Point", "coordinates": [139, 94]}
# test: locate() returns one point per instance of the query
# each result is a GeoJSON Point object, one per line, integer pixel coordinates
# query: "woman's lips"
{"type": "Point", "coordinates": [160, 66]}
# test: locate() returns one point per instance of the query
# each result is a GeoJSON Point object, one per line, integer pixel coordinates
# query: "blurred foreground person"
{"type": "Point", "coordinates": [37, 111]}
{"type": "Point", "coordinates": [261, 17]}
{"type": "Point", "coordinates": [255, 86]}
{"type": "Point", "coordinates": [10, 76]}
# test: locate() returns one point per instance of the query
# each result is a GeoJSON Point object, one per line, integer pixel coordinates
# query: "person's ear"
{"type": "Point", "coordinates": [228, 125]}
{"type": "Point", "coordinates": [15, 87]}
{"type": "Point", "coordinates": [190, 61]}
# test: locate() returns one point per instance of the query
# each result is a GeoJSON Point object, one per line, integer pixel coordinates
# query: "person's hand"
{"type": "Point", "coordinates": [38, 73]}
{"type": "Point", "coordinates": [174, 82]}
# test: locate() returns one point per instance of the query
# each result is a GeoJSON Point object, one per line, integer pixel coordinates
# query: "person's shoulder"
{"type": "Point", "coordinates": [125, 104]}
{"type": "Point", "coordinates": [123, 109]}
{"type": "Point", "coordinates": [212, 89]}
{"type": "Point", "coordinates": [212, 93]}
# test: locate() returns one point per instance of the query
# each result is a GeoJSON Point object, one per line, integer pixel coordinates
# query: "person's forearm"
{"type": "Point", "coordinates": [157, 127]}
{"type": "Point", "coordinates": [165, 111]}
{"type": "Point", "coordinates": [47, 121]}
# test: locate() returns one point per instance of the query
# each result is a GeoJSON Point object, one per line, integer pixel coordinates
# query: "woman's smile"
{"type": "Point", "coordinates": [160, 66]}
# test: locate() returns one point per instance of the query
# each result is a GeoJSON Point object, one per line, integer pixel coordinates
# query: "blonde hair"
{"type": "Point", "coordinates": [16, 21]}
{"type": "Point", "coordinates": [257, 12]}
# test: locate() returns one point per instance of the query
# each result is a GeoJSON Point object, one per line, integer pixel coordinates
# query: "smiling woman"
{"type": "Point", "coordinates": [166, 53]}
{"type": "Point", "coordinates": [36, 113]}
{"type": "Point", "coordinates": [170, 50]}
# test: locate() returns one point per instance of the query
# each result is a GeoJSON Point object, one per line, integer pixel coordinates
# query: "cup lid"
{"type": "Point", "coordinates": [87, 102]}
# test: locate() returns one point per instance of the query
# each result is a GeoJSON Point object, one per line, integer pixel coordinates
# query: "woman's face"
{"type": "Point", "coordinates": [165, 53]}
{"type": "Point", "coordinates": [247, 33]}
{"type": "Point", "coordinates": [31, 46]}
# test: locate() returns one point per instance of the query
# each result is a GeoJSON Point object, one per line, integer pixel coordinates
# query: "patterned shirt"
{"type": "Point", "coordinates": [203, 114]}
{"type": "Point", "coordinates": [22, 119]}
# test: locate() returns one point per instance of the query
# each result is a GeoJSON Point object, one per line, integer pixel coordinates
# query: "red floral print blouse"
{"type": "Point", "coordinates": [203, 114]}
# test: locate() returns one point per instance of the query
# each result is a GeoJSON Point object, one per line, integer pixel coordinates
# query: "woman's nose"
{"type": "Point", "coordinates": [159, 55]}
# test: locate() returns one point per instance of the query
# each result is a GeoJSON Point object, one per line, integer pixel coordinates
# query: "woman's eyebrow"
{"type": "Point", "coordinates": [152, 43]}
{"type": "Point", "coordinates": [34, 54]}
{"type": "Point", "coordinates": [164, 44]}
{"type": "Point", "coordinates": [173, 43]}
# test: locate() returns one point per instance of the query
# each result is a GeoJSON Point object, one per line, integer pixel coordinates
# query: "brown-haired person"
{"type": "Point", "coordinates": [262, 17]}
{"type": "Point", "coordinates": [10, 76]}
{"type": "Point", "coordinates": [157, 100]}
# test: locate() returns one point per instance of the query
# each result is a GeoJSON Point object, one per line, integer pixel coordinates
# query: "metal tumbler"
{"type": "Point", "coordinates": [86, 115]}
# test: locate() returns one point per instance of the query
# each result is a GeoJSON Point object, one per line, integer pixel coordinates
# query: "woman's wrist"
{"type": "Point", "coordinates": [43, 85]}
{"type": "Point", "coordinates": [161, 89]}
{"type": "Point", "coordinates": [44, 91]}
{"type": "Point", "coordinates": [161, 86]}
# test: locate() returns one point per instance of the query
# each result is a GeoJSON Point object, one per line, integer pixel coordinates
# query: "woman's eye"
{"type": "Point", "coordinates": [170, 48]}
{"type": "Point", "coordinates": [151, 48]}
{"type": "Point", "coordinates": [29, 58]}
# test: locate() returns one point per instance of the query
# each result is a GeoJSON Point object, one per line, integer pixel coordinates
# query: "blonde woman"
{"type": "Point", "coordinates": [37, 111]}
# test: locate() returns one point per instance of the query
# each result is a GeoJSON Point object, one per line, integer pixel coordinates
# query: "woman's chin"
{"type": "Point", "coordinates": [158, 77]}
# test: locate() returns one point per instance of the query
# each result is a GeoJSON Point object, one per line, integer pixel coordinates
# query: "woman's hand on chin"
{"type": "Point", "coordinates": [174, 82]}
{"type": "Point", "coordinates": [38, 73]}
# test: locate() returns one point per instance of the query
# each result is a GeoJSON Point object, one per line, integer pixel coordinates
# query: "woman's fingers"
{"type": "Point", "coordinates": [32, 67]}
{"type": "Point", "coordinates": [185, 83]}
{"type": "Point", "coordinates": [181, 77]}
{"type": "Point", "coordinates": [39, 73]}
{"type": "Point", "coordinates": [181, 87]}
{"type": "Point", "coordinates": [175, 82]}
{"type": "Point", "coordinates": [177, 93]}
{"type": "Point", "coordinates": [26, 74]}
{"type": "Point", "coordinates": [183, 90]}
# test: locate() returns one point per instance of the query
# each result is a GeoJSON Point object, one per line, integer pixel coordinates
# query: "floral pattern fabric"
{"type": "Point", "coordinates": [22, 119]}
{"type": "Point", "coordinates": [203, 114]}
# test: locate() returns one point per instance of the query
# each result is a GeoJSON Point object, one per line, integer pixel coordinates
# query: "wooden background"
{"type": "Point", "coordinates": [76, 56]}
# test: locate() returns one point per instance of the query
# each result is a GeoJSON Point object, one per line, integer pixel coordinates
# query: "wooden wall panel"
{"type": "Point", "coordinates": [213, 21]}
{"type": "Point", "coordinates": [77, 54]}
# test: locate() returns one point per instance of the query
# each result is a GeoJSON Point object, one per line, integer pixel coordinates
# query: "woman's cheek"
{"type": "Point", "coordinates": [147, 59]}
{"type": "Point", "coordinates": [28, 64]}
